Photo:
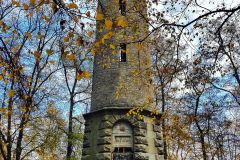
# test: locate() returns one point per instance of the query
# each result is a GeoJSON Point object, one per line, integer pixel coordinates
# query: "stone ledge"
{"type": "Point", "coordinates": [157, 128]}
{"type": "Point", "coordinates": [158, 143]}
{"type": "Point", "coordinates": [140, 132]}
{"type": "Point", "coordinates": [105, 132]}
{"type": "Point", "coordinates": [140, 148]}
{"type": "Point", "coordinates": [141, 125]}
{"type": "Point", "coordinates": [108, 118]}
{"type": "Point", "coordinates": [160, 150]}
{"type": "Point", "coordinates": [104, 148]}
{"type": "Point", "coordinates": [105, 125]}
{"type": "Point", "coordinates": [159, 136]}
{"type": "Point", "coordinates": [140, 140]}
{"type": "Point", "coordinates": [141, 156]}
{"type": "Point", "coordinates": [104, 140]}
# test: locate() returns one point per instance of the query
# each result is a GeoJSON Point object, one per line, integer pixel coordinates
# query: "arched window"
{"type": "Point", "coordinates": [122, 141]}
{"type": "Point", "coordinates": [122, 7]}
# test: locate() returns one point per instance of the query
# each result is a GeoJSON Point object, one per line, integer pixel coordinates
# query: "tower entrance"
{"type": "Point", "coordinates": [122, 141]}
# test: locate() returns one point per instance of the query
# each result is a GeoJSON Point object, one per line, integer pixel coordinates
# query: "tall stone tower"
{"type": "Point", "coordinates": [121, 86]}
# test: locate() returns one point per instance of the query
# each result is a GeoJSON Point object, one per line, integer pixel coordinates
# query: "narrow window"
{"type": "Point", "coordinates": [123, 57]}
{"type": "Point", "coordinates": [122, 7]}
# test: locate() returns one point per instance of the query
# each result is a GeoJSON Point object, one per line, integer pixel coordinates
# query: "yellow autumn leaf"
{"type": "Point", "coordinates": [15, 3]}
{"type": "Point", "coordinates": [139, 46]}
{"type": "Point", "coordinates": [10, 93]}
{"type": "Point", "coordinates": [1, 77]}
{"type": "Point", "coordinates": [1, 22]}
{"type": "Point", "coordinates": [90, 34]}
{"type": "Point", "coordinates": [52, 62]}
{"type": "Point", "coordinates": [97, 44]}
{"type": "Point", "coordinates": [112, 46]}
{"type": "Point", "coordinates": [73, 6]}
{"type": "Point", "coordinates": [29, 79]}
{"type": "Point", "coordinates": [99, 16]}
{"type": "Point", "coordinates": [30, 14]}
{"type": "Point", "coordinates": [21, 69]}
{"type": "Point", "coordinates": [54, 7]}
{"type": "Point", "coordinates": [3, 72]}
{"type": "Point", "coordinates": [102, 40]}
{"type": "Point", "coordinates": [108, 24]}
{"type": "Point", "coordinates": [107, 36]}
{"type": "Point", "coordinates": [14, 49]}
{"type": "Point", "coordinates": [71, 57]}
{"type": "Point", "coordinates": [40, 2]}
{"type": "Point", "coordinates": [37, 55]}
{"type": "Point", "coordinates": [66, 39]}
{"type": "Point", "coordinates": [32, 2]}
{"type": "Point", "coordinates": [46, 18]}
{"type": "Point", "coordinates": [9, 75]}
{"type": "Point", "coordinates": [86, 74]}
{"type": "Point", "coordinates": [64, 55]}
{"type": "Point", "coordinates": [49, 51]}
{"type": "Point", "coordinates": [79, 41]}
{"type": "Point", "coordinates": [94, 51]}
{"type": "Point", "coordinates": [25, 6]}
{"type": "Point", "coordinates": [39, 36]}
{"type": "Point", "coordinates": [122, 22]}
{"type": "Point", "coordinates": [71, 34]}
{"type": "Point", "coordinates": [28, 35]}
{"type": "Point", "coordinates": [79, 75]}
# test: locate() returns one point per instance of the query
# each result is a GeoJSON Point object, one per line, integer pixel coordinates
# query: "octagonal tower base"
{"type": "Point", "coordinates": [110, 134]}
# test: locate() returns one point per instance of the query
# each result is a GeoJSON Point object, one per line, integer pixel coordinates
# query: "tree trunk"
{"type": "Point", "coordinates": [9, 128]}
{"type": "Point", "coordinates": [164, 122]}
{"type": "Point", "coordinates": [203, 147]}
{"type": "Point", "coordinates": [19, 140]}
{"type": "Point", "coordinates": [21, 130]}
{"type": "Point", "coordinates": [70, 129]}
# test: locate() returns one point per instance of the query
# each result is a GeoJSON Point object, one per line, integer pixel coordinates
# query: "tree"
{"type": "Point", "coordinates": [30, 59]}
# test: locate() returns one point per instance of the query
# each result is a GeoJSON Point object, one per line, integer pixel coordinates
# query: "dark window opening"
{"type": "Point", "coordinates": [123, 153]}
{"type": "Point", "coordinates": [122, 149]}
{"type": "Point", "coordinates": [122, 7]}
{"type": "Point", "coordinates": [123, 57]}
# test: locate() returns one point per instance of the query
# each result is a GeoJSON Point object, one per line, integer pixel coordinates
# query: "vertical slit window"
{"type": "Point", "coordinates": [123, 56]}
{"type": "Point", "coordinates": [122, 7]}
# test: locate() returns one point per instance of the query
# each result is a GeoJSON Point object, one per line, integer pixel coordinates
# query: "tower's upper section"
{"type": "Point", "coordinates": [122, 74]}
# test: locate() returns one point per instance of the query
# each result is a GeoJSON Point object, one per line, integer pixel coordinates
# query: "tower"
{"type": "Point", "coordinates": [122, 85]}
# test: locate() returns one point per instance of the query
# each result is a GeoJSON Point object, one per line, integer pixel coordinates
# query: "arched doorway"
{"type": "Point", "coordinates": [122, 141]}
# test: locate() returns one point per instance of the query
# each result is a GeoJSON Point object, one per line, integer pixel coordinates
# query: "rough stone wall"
{"type": "Point", "coordinates": [98, 136]}
{"type": "Point", "coordinates": [115, 83]}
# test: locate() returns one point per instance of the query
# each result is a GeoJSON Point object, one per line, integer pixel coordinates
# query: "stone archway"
{"type": "Point", "coordinates": [122, 141]}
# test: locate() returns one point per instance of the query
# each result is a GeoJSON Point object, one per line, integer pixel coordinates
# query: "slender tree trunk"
{"type": "Point", "coordinates": [21, 130]}
{"type": "Point", "coordinates": [19, 140]}
{"type": "Point", "coordinates": [164, 122]}
{"type": "Point", "coordinates": [203, 147]}
{"type": "Point", "coordinates": [9, 137]}
{"type": "Point", "coordinates": [202, 141]}
{"type": "Point", "coordinates": [70, 129]}
{"type": "Point", "coordinates": [9, 128]}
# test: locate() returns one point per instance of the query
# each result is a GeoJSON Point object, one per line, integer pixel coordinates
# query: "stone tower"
{"type": "Point", "coordinates": [121, 86]}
